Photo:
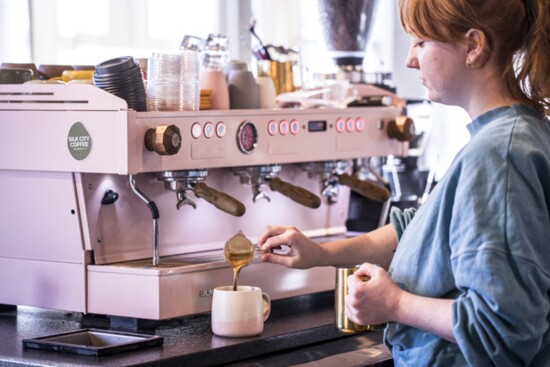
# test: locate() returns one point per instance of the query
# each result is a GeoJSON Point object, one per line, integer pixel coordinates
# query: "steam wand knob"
{"type": "Point", "coordinates": [163, 139]}
{"type": "Point", "coordinates": [402, 129]}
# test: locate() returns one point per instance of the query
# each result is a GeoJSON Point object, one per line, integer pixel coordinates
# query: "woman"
{"type": "Point", "coordinates": [468, 275]}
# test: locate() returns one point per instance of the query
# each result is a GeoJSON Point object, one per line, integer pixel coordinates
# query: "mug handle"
{"type": "Point", "coordinates": [267, 305]}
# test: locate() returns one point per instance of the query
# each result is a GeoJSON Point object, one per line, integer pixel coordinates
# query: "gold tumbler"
{"type": "Point", "coordinates": [280, 72]}
{"type": "Point", "coordinates": [344, 324]}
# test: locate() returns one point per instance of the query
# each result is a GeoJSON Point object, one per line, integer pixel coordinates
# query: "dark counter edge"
{"type": "Point", "coordinates": [188, 340]}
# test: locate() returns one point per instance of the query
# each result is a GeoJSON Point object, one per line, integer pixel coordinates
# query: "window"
{"type": "Point", "coordinates": [91, 31]}
{"type": "Point", "coordinates": [15, 41]}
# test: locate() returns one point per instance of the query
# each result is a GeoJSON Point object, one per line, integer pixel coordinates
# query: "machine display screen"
{"type": "Point", "coordinates": [319, 125]}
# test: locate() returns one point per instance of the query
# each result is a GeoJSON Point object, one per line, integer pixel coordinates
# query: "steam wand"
{"type": "Point", "coordinates": [155, 214]}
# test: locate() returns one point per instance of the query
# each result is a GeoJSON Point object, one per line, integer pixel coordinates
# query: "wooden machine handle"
{"type": "Point", "coordinates": [364, 188]}
{"type": "Point", "coordinates": [295, 193]}
{"type": "Point", "coordinates": [220, 200]}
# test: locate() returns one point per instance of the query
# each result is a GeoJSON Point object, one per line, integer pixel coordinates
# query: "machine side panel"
{"type": "Point", "coordinates": [42, 261]}
{"type": "Point", "coordinates": [43, 284]}
{"type": "Point", "coordinates": [42, 222]}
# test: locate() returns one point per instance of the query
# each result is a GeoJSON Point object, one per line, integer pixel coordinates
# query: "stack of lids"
{"type": "Point", "coordinates": [122, 77]}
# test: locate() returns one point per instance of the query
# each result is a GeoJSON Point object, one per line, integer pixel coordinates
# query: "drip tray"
{"type": "Point", "coordinates": [94, 342]}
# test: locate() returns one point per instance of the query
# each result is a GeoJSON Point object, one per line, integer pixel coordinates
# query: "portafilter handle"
{"type": "Point", "coordinates": [295, 193]}
{"type": "Point", "coordinates": [220, 200]}
{"type": "Point", "coordinates": [365, 188]}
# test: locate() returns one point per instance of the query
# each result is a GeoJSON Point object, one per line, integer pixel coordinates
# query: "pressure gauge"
{"type": "Point", "coordinates": [247, 137]}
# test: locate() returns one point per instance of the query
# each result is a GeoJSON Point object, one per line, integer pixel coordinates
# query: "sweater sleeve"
{"type": "Point", "coordinates": [500, 255]}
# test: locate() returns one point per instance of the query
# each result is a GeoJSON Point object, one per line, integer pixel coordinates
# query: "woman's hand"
{"type": "Point", "coordinates": [302, 253]}
{"type": "Point", "coordinates": [373, 301]}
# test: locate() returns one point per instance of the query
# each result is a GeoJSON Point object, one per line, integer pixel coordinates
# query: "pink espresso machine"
{"type": "Point", "coordinates": [110, 211]}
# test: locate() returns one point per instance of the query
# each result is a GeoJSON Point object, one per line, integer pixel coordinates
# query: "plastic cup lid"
{"type": "Point", "coordinates": [116, 65]}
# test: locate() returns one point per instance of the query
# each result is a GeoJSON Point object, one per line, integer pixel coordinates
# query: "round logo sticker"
{"type": "Point", "coordinates": [79, 141]}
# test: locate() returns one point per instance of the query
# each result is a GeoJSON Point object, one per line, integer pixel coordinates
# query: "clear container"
{"type": "Point", "coordinates": [216, 52]}
{"type": "Point", "coordinates": [173, 81]}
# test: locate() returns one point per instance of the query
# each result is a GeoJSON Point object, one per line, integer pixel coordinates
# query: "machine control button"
{"type": "Point", "coordinates": [350, 125]}
{"type": "Point", "coordinates": [283, 127]}
{"type": "Point", "coordinates": [272, 127]}
{"type": "Point", "coordinates": [196, 130]}
{"type": "Point", "coordinates": [247, 137]}
{"type": "Point", "coordinates": [359, 124]}
{"type": "Point", "coordinates": [340, 125]}
{"type": "Point", "coordinates": [110, 197]}
{"type": "Point", "coordinates": [294, 127]}
{"type": "Point", "coordinates": [163, 139]}
{"type": "Point", "coordinates": [208, 130]}
{"type": "Point", "coordinates": [221, 129]}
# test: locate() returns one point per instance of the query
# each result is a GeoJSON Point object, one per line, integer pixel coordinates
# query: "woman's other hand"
{"type": "Point", "coordinates": [373, 301]}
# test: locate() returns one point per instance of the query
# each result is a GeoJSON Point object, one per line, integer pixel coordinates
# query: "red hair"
{"type": "Point", "coordinates": [518, 34]}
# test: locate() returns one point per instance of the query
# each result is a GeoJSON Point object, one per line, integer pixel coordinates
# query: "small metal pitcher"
{"type": "Point", "coordinates": [344, 324]}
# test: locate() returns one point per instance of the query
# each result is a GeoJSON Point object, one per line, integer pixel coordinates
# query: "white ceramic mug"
{"type": "Point", "coordinates": [239, 313]}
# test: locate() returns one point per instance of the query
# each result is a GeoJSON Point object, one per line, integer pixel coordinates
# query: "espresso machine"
{"type": "Point", "coordinates": [110, 211]}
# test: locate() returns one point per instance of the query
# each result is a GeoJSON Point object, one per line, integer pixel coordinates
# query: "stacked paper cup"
{"type": "Point", "coordinates": [173, 81]}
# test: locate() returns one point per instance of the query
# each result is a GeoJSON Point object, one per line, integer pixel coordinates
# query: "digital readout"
{"type": "Point", "coordinates": [319, 125]}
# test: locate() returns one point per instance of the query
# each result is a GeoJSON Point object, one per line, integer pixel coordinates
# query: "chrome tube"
{"type": "Point", "coordinates": [155, 214]}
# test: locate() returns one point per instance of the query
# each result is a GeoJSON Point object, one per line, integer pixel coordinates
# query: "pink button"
{"type": "Point", "coordinates": [283, 127]}
{"type": "Point", "coordinates": [196, 130]}
{"type": "Point", "coordinates": [359, 124]}
{"type": "Point", "coordinates": [272, 127]}
{"type": "Point", "coordinates": [340, 125]}
{"type": "Point", "coordinates": [350, 125]}
{"type": "Point", "coordinates": [208, 130]}
{"type": "Point", "coordinates": [221, 129]}
{"type": "Point", "coordinates": [294, 127]}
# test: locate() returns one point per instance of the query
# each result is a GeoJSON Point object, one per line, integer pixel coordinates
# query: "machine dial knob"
{"type": "Point", "coordinates": [402, 129]}
{"type": "Point", "coordinates": [163, 139]}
